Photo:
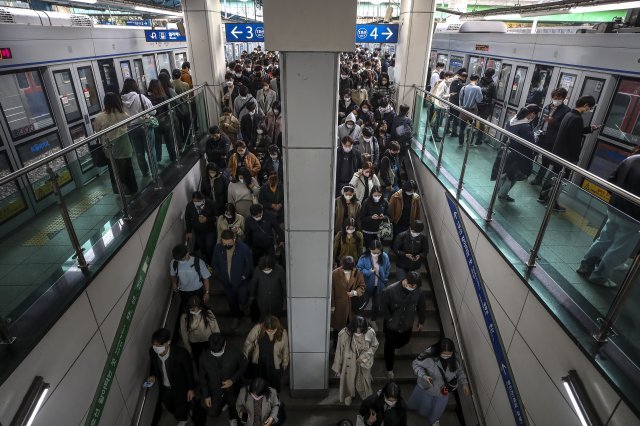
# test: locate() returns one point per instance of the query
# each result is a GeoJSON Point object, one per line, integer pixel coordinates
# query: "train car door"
{"type": "Point", "coordinates": [109, 76]}
{"type": "Point", "coordinates": [139, 75]}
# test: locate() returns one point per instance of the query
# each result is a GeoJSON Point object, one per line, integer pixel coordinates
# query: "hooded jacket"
{"type": "Point", "coordinates": [519, 163]}
{"type": "Point", "coordinates": [132, 106]}
{"type": "Point", "coordinates": [489, 91]}
{"type": "Point", "coordinates": [355, 134]}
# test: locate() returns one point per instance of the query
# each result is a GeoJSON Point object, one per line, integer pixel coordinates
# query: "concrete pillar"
{"type": "Point", "coordinates": [205, 40]}
{"type": "Point", "coordinates": [414, 46]}
{"type": "Point", "coordinates": [309, 35]}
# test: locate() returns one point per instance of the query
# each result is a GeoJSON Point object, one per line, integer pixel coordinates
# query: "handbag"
{"type": "Point", "coordinates": [98, 156]}
{"type": "Point", "coordinates": [385, 232]}
{"type": "Point", "coordinates": [150, 120]}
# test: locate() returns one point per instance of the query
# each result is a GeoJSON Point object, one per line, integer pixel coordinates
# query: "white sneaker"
{"type": "Point", "coordinates": [348, 400]}
{"type": "Point", "coordinates": [390, 375]}
{"type": "Point", "coordinates": [437, 423]}
{"type": "Point", "coordinates": [233, 422]}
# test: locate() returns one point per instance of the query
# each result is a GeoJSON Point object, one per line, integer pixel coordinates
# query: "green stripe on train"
{"type": "Point", "coordinates": [117, 347]}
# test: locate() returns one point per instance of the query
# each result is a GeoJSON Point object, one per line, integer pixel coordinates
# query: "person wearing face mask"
{"type": "Point", "coordinates": [262, 233]}
{"type": "Point", "coordinates": [217, 146]}
{"type": "Point", "coordinates": [363, 180]}
{"type": "Point", "coordinates": [189, 275]}
{"type": "Point", "coordinates": [230, 91]}
{"type": "Point", "coordinates": [250, 125]}
{"type": "Point", "coordinates": [229, 219]}
{"type": "Point", "coordinates": [347, 282]}
{"type": "Point", "coordinates": [355, 352]}
{"type": "Point", "coordinates": [265, 96]}
{"type": "Point", "coordinates": [261, 142]}
{"type": "Point", "coordinates": [404, 207]}
{"type": "Point", "coordinates": [366, 114]}
{"type": "Point", "coordinates": [359, 94]}
{"type": "Point", "coordinates": [383, 137]}
{"type": "Point", "coordinates": [442, 91]}
{"type": "Point", "coordinates": [401, 302]}
{"type": "Point", "coordinates": [347, 163]}
{"type": "Point", "coordinates": [372, 213]}
{"type": "Point", "coordinates": [271, 196]}
{"type": "Point", "coordinates": [242, 158]}
{"type": "Point", "coordinates": [346, 106]}
{"type": "Point", "coordinates": [243, 192]}
{"type": "Point", "coordinates": [375, 267]}
{"type": "Point", "coordinates": [242, 102]}
{"type": "Point", "coordinates": [346, 82]}
{"type": "Point", "coordinates": [229, 124]}
{"type": "Point", "coordinates": [389, 174]}
{"type": "Point", "coordinates": [258, 404]}
{"type": "Point", "coordinates": [268, 288]}
{"type": "Point", "coordinates": [171, 368]}
{"type": "Point", "coordinates": [489, 90]}
{"type": "Point", "coordinates": [439, 373]}
{"type": "Point", "coordinates": [347, 207]}
{"type": "Point", "coordinates": [411, 249]}
{"type": "Point", "coordinates": [272, 163]}
{"type": "Point", "coordinates": [348, 242]}
{"type": "Point", "coordinates": [275, 122]}
{"type": "Point", "coordinates": [350, 128]}
{"type": "Point", "coordinates": [233, 265]}
{"type": "Point", "coordinates": [196, 325]}
{"type": "Point", "coordinates": [453, 122]}
{"type": "Point", "coordinates": [568, 144]}
{"type": "Point", "coordinates": [402, 129]}
{"type": "Point", "coordinates": [239, 79]}
{"type": "Point", "coordinates": [547, 128]}
{"type": "Point", "coordinates": [369, 145]}
{"type": "Point", "coordinates": [385, 88]}
{"type": "Point", "coordinates": [519, 162]}
{"type": "Point", "coordinates": [220, 373]}
{"type": "Point", "coordinates": [275, 82]}
{"type": "Point", "coordinates": [267, 348]}
{"type": "Point", "coordinates": [200, 223]}
{"type": "Point", "coordinates": [385, 406]}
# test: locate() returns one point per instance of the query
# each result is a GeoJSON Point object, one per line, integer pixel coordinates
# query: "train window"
{"type": "Point", "coordinates": [125, 67]}
{"type": "Point", "coordinates": [37, 149]}
{"type": "Point", "coordinates": [508, 116]}
{"type": "Point", "coordinates": [623, 119]}
{"type": "Point", "coordinates": [503, 80]}
{"type": "Point", "coordinates": [89, 90]}
{"type": "Point", "coordinates": [180, 58]}
{"type": "Point", "coordinates": [476, 65]}
{"type": "Point", "coordinates": [539, 84]}
{"type": "Point", "coordinates": [456, 63]}
{"type": "Point", "coordinates": [496, 64]}
{"type": "Point", "coordinates": [139, 73]}
{"type": "Point", "coordinates": [67, 94]}
{"type": "Point", "coordinates": [11, 199]}
{"type": "Point", "coordinates": [517, 85]}
{"type": "Point", "coordinates": [444, 59]}
{"type": "Point", "coordinates": [495, 118]}
{"type": "Point", "coordinates": [108, 76]}
{"type": "Point", "coordinates": [163, 61]}
{"type": "Point", "coordinates": [567, 81]}
{"type": "Point", "coordinates": [591, 87]}
{"type": "Point", "coordinates": [24, 103]}
{"type": "Point", "coordinates": [149, 65]}
{"type": "Point", "coordinates": [84, 157]}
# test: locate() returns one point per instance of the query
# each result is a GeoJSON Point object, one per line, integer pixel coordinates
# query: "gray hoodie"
{"type": "Point", "coordinates": [354, 133]}
{"type": "Point", "coordinates": [132, 106]}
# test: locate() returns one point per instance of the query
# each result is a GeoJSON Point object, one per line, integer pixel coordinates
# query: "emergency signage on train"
{"type": "Point", "coordinates": [365, 33]}
{"type": "Point", "coordinates": [164, 35]}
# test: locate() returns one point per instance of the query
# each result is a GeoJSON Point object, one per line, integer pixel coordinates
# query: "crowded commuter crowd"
{"type": "Point", "coordinates": [234, 237]}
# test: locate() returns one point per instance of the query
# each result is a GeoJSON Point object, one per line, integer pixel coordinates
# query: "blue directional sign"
{"type": "Point", "coordinates": [164, 35]}
{"type": "Point", "coordinates": [244, 32]}
{"type": "Point", "coordinates": [138, 23]}
{"type": "Point", "coordinates": [377, 33]}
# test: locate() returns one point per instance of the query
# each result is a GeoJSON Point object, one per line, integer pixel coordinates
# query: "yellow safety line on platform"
{"type": "Point", "coordinates": [57, 225]}
{"type": "Point", "coordinates": [580, 222]}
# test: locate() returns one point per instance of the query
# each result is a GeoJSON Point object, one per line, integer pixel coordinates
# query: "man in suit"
{"type": "Point", "coordinates": [171, 368]}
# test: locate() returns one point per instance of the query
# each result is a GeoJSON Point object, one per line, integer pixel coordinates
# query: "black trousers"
{"type": "Point", "coordinates": [393, 340]}
{"type": "Point", "coordinates": [548, 182]}
{"type": "Point", "coordinates": [175, 402]}
{"type": "Point", "coordinates": [228, 397]}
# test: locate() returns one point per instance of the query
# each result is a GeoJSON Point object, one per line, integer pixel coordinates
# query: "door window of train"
{"type": "Point", "coordinates": [623, 119]}
{"type": "Point", "coordinates": [508, 116]}
{"type": "Point", "coordinates": [456, 63]}
{"type": "Point", "coordinates": [180, 58]}
{"type": "Point", "coordinates": [37, 149]}
{"type": "Point", "coordinates": [567, 81]}
{"type": "Point", "coordinates": [24, 103]}
{"type": "Point", "coordinates": [503, 80]}
{"type": "Point", "coordinates": [592, 87]}
{"type": "Point", "coordinates": [140, 77]}
{"type": "Point", "coordinates": [444, 59]}
{"type": "Point", "coordinates": [89, 90]}
{"type": "Point", "coordinates": [149, 65]}
{"type": "Point", "coordinates": [67, 94]}
{"type": "Point", "coordinates": [12, 201]}
{"type": "Point", "coordinates": [517, 86]}
{"type": "Point", "coordinates": [125, 67]}
{"type": "Point", "coordinates": [163, 61]}
{"type": "Point", "coordinates": [495, 119]}
{"type": "Point", "coordinates": [476, 65]}
{"type": "Point", "coordinates": [78, 133]}
{"type": "Point", "coordinates": [496, 64]}
{"type": "Point", "coordinates": [108, 76]}
{"type": "Point", "coordinates": [539, 85]}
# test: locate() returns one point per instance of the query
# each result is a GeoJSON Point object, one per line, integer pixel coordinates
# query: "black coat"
{"type": "Point", "coordinates": [213, 371]}
{"type": "Point", "coordinates": [191, 217]}
{"type": "Point", "coordinates": [353, 160]}
{"type": "Point", "coordinates": [547, 138]}
{"type": "Point", "coordinates": [179, 370]}
{"type": "Point", "coordinates": [261, 234]}
{"type": "Point", "coordinates": [219, 193]}
{"type": "Point", "coordinates": [627, 176]}
{"type": "Point", "coordinates": [269, 290]}
{"type": "Point", "coordinates": [456, 87]}
{"type": "Point", "coordinates": [396, 416]}
{"type": "Point", "coordinates": [218, 150]}
{"type": "Point", "coordinates": [385, 166]}
{"type": "Point", "coordinates": [568, 143]}
{"type": "Point", "coordinates": [519, 164]}
{"type": "Point", "coordinates": [267, 165]}
{"type": "Point", "coordinates": [368, 209]}
{"type": "Point", "coordinates": [266, 197]}
{"type": "Point", "coordinates": [400, 307]}
{"type": "Point", "coordinates": [404, 244]}
{"type": "Point", "coordinates": [249, 126]}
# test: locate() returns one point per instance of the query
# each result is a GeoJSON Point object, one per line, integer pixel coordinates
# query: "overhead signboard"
{"type": "Point", "coordinates": [377, 33]}
{"type": "Point", "coordinates": [164, 35]}
{"type": "Point", "coordinates": [244, 32]}
{"type": "Point", "coordinates": [138, 23]}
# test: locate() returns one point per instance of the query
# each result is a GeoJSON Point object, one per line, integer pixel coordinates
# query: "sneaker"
{"type": "Point", "coordinates": [586, 268]}
{"type": "Point", "coordinates": [559, 209]}
{"type": "Point", "coordinates": [348, 400]}
{"type": "Point", "coordinates": [602, 282]}
{"type": "Point", "coordinates": [390, 375]}
{"type": "Point", "coordinates": [506, 198]}
{"type": "Point", "coordinates": [437, 423]}
{"type": "Point", "coordinates": [542, 200]}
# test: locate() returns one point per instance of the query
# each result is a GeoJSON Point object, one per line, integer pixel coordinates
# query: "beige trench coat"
{"type": "Point", "coordinates": [353, 361]}
{"type": "Point", "coordinates": [340, 300]}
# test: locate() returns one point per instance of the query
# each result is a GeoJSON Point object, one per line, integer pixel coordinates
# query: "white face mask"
{"type": "Point", "coordinates": [409, 287]}
{"type": "Point", "coordinates": [195, 312]}
{"type": "Point", "coordinates": [259, 131]}
{"type": "Point", "coordinates": [445, 356]}
{"type": "Point", "coordinates": [343, 76]}
{"type": "Point", "coordinates": [267, 271]}
{"type": "Point", "coordinates": [351, 230]}
{"type": "Point", "coordinates": [347, 273]}
{"type": "Point", "coordinates": [375, 255]}
{"type": "Point", "coordinates": [348, 197]}
{"type": "Point", "coordinates": [238, 74]}
{"type": "Point", "coordinates": [367, 140]}
{"type": "Point", "coordinates": [409, 193]}
{"type": "Point", "coordinates": [357, 334]}
{"type": "Point", "coordinates": [257, 398]}
{"type": "Point", "coordinates": [390, 403]}
{"type": "Point", "coordinates": [230, 83]}
{"type": "Point", "coordinates": [347, 148]}
{"type": "Point", "coordinates": [347, 99]}
{"type": "Point", "coordinates": [218, 354]}
{"type": "Point", "coordinates": [365, 110]}
{"type": "Point", "coordinates": [158, 349]}
{"type": "Point", "coordinates": [350, 126]}
{"type": "Point", "coordinates": [414, 234]}
{"type": "Point", "coordinates": [257, 218]}
{"type": "Point", "coordinates": [377, 198]}
{"type": "Point", "coordinates": [270, 333]}
{"type": "Point", "coordinates": [556, 102]}
{"type": "Point", "coordinates": [276, 111]}
{"type": "Point", "coordinates": [198, 204]}
{"type": "Point", "coordinates": [241, 179]}
{"type": "Point", "coordinates": [252, 113]}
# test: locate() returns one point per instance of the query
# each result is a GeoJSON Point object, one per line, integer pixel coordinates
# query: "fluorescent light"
{"type": "Point", "coordinates": [32, 402]}
{"type": "Point", "coordinates": [85, 1]}
{"type": "Point", "coordinates": [574, 402]}
{"type": "Point", "coordinates": [158, 11]}
{"type": "Point", "coordinates": [545, 13]}
{"type": "Point", "coordinates": [36, 409]}
{"type": "Point", "coordinates": [378, 1]}
{"type": "Point", "coordinates": [580, 400]}
{"type": "Point", "coordinates": [605, 7]}
{"type": "Point", "coordinates": [504, 17]}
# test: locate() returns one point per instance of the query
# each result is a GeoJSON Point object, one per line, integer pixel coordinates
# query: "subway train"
{"type": "Point", "coordinates": [529, 66]}
{"type": "Point", "coordinates": [54, 71]}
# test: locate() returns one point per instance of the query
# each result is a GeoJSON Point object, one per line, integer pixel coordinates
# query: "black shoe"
{"type": "Point", "coordinates": [536, 182]}
{"type": "Point", "coordinates": [585, 269]}
{"type": "Point", "coordinates": [542, 200]}
{"type": "Point", "coordinates": [454, 135]}
{"type": "Point", "coordinates": [506, 198]}
{"type": "Point", "coordinates": [559, 209]}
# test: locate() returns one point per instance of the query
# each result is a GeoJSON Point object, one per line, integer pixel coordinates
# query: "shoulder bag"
{"type": "Point", "coordinates": [149, 120]}
{"type": "Point", "coordinates": [385, 232]}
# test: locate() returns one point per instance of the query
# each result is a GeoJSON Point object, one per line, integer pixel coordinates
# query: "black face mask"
{"type": "Point", "coordinates": [228, 246]}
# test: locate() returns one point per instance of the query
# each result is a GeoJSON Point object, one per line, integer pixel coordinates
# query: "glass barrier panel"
{"type": "Point", "coordinates": [420, 109]}
{"type": "Point", "coordinates": [201, 123]}
{"type": "Point", "coordinates": [164, 144]}
{"type": "Point", "coordinates": [627, 334]}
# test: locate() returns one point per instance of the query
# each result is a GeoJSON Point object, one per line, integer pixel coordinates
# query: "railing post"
{"type": "Point", "coordinates": [618, 301]}
{"type": "Point", "coordinates": [191, 126]}
{"type": "Point", "coordinates": [77, 248]}
{"type": "Point", "coordinates": [152, 158]}
{"type": "Point", "coordinates": [496, 188]}
{"type": "Point", "coordinates": [173, 136]}
{"type": "Point", "coordinates": [466, 157]}
{"type": "Point", "coordinates": [119, 185]}
{"type": "Point", "coordinates": [553, 198]}
{"type": "Point", "coordinates": [5, 336]}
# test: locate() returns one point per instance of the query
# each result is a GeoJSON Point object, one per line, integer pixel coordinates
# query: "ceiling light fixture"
{"type": "Point", "coordinates": [85, 1]}
{"type": "Point", "coordinates": [32, 402]}
{"type": "Point", "coordinates": [605, 7]}
{"type": "Point", "coordinates": [157, 11]}
{"type": "Point", "coordinates": [580, 400]}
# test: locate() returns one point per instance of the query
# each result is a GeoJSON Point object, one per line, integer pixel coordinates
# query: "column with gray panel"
{"type": "Point", "coordinates": [205, 40]}
{"type": "Point", "coordinates": [414, 46]}
{"type": "Point", "coordinates": [309, 36]}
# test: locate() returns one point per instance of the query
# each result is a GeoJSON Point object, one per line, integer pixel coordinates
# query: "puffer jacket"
{"type": "Point", "coordinates": [406, 244]}
{"type": "Point", "coordinates": [400, 307]}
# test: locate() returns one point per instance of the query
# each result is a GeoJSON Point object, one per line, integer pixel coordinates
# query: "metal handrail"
{"type": "Point", "coordinates": [566, 164]}
{"type": "Point", "coordinates": [454, 317]}
{"type": "Point", "coordinates": [13, 176]}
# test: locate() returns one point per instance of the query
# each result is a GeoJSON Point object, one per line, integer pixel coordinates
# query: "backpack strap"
{"type": "Point", "coordinates": [196, 266]}
{"type": "Point", "coordinates": [175, 271]}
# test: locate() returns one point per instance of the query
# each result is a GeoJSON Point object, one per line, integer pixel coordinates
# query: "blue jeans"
{"type": "Point", "coordinates": [614, 245]}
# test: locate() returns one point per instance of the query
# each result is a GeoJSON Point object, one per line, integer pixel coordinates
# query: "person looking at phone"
{"type": "Point", "coordinates": [385, 406]}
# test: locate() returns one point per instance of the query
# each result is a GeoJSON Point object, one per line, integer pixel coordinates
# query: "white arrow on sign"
{"type": "Point", "coordinates": [388, 33]}
{"type": "Point", "coordinates": [234, 32]}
